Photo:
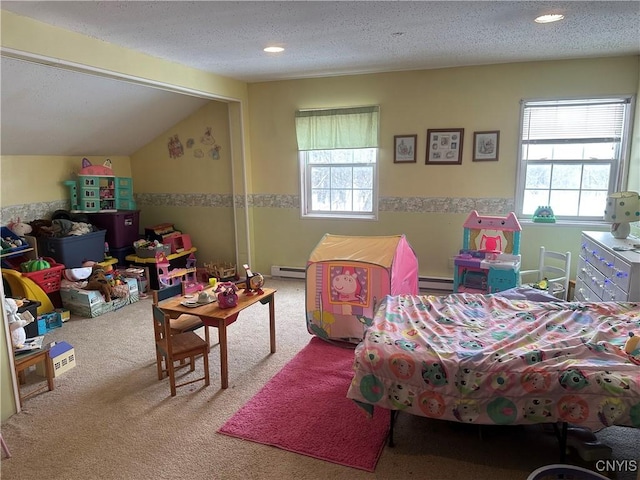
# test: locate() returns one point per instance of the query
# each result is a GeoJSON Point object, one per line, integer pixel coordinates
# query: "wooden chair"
{"type": "Point", "coordinates": [556, 268]}
{"type": "Point", "coordinates": [179, 347]}
{"type": "Point", "coordinates": [185, 322]}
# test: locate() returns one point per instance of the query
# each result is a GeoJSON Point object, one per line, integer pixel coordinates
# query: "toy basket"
{"type": "Point", "coordinates": [222, 270]}
{"type": "Point", "coordinates": [564, 472]}
{"type": "Point", "coordinates": [48, 279]}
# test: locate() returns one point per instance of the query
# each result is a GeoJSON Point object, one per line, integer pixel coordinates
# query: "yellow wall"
{"type": "Point", "coordinates": [31, 179]}
{"type": "Point", "coordinates": [473, 98]}
{"type": "Point", "coordinates": [190, 191]}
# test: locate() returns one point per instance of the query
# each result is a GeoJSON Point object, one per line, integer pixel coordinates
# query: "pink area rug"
{"type": "Point", "coordinates": [304, 409]}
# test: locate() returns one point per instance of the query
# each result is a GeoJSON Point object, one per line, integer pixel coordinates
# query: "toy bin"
{"type": "Point", "coordinates": [121, 226]}
{"type": "Point", "coordinates": [48, 279]}
{"type": "Point", "coordinates": [10, 238]}
{"type": "Point", "coordinates": [120, 254]}
{"type": "Point", "coordinates": [73, 251]}
{"type": "Point", "coordinates": [43, 324]}
{"type": "Point", "coordinates": [151, 252]}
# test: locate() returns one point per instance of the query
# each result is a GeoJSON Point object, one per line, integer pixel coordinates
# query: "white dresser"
{"type": "Point", "coordinates": [605, 274]}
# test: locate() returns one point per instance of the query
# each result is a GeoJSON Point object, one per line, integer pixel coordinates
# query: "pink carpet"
{"type": "Point", "coordinates": [304, 409]}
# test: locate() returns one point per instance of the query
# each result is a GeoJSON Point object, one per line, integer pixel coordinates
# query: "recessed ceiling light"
{"type": "Point", "coordinates": [274, 49]}
{"type": "Point", "coordinates": [554, 17]}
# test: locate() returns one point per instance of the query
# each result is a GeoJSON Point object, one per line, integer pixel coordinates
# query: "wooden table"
{"type": "Point", "coordinates": [25, 360]}
{"type": "Point", "coordinates": [213, 316]}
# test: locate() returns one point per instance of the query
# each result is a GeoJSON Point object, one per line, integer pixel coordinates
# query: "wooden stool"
{"type": "Point", "coordinates": [24, 361]}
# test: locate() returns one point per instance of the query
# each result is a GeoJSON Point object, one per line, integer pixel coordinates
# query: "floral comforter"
{"type": "Point", "coordinates": [486, 359]}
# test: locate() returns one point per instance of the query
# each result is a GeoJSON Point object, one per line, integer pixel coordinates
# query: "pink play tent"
{"type": "Point", "coordinates": [347, 278]}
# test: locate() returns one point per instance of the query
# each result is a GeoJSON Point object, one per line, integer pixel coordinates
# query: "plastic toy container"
{"type": "Point", "coordinates": [151, 252]}
{"type": "Point", "coordinates": [48, 279]}
{"type": "Point", "coordinates": [121, 226]}
{"type": "Point", "coordinates": [6, 233]}
{"type": "Point", "coordinates": [73, 251]}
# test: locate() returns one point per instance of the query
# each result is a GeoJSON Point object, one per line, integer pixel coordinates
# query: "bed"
{"type": "Point", "coordinates": [489, 359]}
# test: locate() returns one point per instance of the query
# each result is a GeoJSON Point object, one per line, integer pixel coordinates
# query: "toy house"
{"type": "Point", "coordinates": [489, 260]}
{"type": "Point", "coordinates": [97, 189]}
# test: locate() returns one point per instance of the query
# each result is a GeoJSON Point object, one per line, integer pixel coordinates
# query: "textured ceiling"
{"type": "Point", "coordinates": [320, 39]}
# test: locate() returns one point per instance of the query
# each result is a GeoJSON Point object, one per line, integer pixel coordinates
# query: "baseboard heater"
{"type": "Point", "coordinates": [432, 284]}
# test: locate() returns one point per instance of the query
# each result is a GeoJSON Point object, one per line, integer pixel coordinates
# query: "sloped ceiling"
{"type": "Point", "coordinates": [53, 112]}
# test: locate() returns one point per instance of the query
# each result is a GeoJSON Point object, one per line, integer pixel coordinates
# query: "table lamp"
{"type": "Point", "coordinates": [622, 208]}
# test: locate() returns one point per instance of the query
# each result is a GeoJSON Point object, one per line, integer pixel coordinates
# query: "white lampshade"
{"type": "Point", "coordinates": [622, 208]}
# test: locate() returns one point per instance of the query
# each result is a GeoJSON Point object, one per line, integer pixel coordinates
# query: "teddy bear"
{"type": "Point", "coordinates": [17, 321]}
{"type": "Point", "coordinates": [98, 281]}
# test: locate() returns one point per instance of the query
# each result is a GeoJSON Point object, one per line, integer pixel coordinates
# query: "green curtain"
{"type": "Point", "coordinates": [337, 128]}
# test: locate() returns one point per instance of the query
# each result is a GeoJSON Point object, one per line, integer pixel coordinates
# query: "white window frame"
{"type": "Point", "coordinates": [619, 166]}
{"type": "Point", "coordinates": [332, 132]}
{"type": "Point", "coordinates": [307, 190]}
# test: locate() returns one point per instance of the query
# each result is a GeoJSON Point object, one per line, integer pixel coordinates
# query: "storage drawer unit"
{"type": "Point", "coordinates": [605, 274]}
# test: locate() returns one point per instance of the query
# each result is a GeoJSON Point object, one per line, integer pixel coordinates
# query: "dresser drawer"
{"type": "Point", "coordinates": [583, 293]}
{"type": "Point", "coordinates": [621, 275]}
{"type": "Point", "coordinates": [616, 260]}
{"type": "Point", "coordinates": [598, 256]}
{"type": "Point", "coordinates": [612, 293]}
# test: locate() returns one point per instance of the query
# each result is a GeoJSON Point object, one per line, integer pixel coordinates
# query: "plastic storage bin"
{"type": "Point", "coordinates": [74, 250]}
{"type": "Point", "coordinates": [6, 233]}
{"type": "Point", "coordinates": [121, 253]}
{"type": "Point", "coordinates": [121, 226]}
{"type": "Point", "coordinates": [43, 324]}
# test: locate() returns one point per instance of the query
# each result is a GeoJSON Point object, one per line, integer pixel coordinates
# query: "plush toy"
{"type": "Point", "coordinates": [17, 321]}
{"type": "Point", "coordinates": [19, 228]}
{"type": "Point", "coordinates": [98, 281]}
{"type": "Point", "coordinates": [632, 348]}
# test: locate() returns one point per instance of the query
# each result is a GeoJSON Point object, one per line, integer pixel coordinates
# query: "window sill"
{"type": "Point", "coordinates": [584, 224]}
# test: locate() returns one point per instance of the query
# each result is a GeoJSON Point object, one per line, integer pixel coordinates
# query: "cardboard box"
{"type": "Point", "coordinates": [62, 356]}
{"type": "Point", "coordinates": [90, 303]}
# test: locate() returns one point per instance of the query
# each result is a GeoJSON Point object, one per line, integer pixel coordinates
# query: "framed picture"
{"type": "Point", "coordinates": [444, 146]}
{"type": "Point", "coordinates": [404, 148]}
{"type": "Point", "coordinates": [486, 146]}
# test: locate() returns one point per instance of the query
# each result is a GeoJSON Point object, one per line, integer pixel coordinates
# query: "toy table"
{"type": "Point", "coordinates": [176, 260]}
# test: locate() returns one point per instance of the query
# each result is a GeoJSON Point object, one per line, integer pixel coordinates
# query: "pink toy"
{"type": "Point", "coordinates": [227, 296]}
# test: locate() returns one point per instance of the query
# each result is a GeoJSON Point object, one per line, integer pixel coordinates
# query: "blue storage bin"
{"type": "Point", "coordinates": [73, 251]}
{"type": "Point", "coordinates": [43, 324]}
{"type": "Point", "coordinates": [6, 233]}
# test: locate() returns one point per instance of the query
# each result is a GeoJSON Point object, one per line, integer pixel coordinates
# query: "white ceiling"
{"type": "Point", "coordinates": [80, 114]}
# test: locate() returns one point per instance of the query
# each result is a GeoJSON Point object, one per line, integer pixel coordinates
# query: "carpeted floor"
{"type": "Point", "coordinates": [110, 417]}
{"type": "Point", "coordinates": [304, 409]}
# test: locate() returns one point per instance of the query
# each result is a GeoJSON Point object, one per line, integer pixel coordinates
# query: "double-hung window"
{"type": "Point", "coordinates": [338, 153]}
{"type": "Point", "coordinates": [573, 153]}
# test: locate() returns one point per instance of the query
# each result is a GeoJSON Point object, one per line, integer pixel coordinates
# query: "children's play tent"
{"type": "Point", "coordinates": [347, 278]}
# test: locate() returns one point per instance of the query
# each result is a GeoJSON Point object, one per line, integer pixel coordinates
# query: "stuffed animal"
{"type": "Point", "coordinates": [17, 321]}
{"type": "Point", "coordinates": [98, 281]}
{"type": "Point", "coordinates": [19, 228]}
{"type": "Point", "coordinates": [632, 348]}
